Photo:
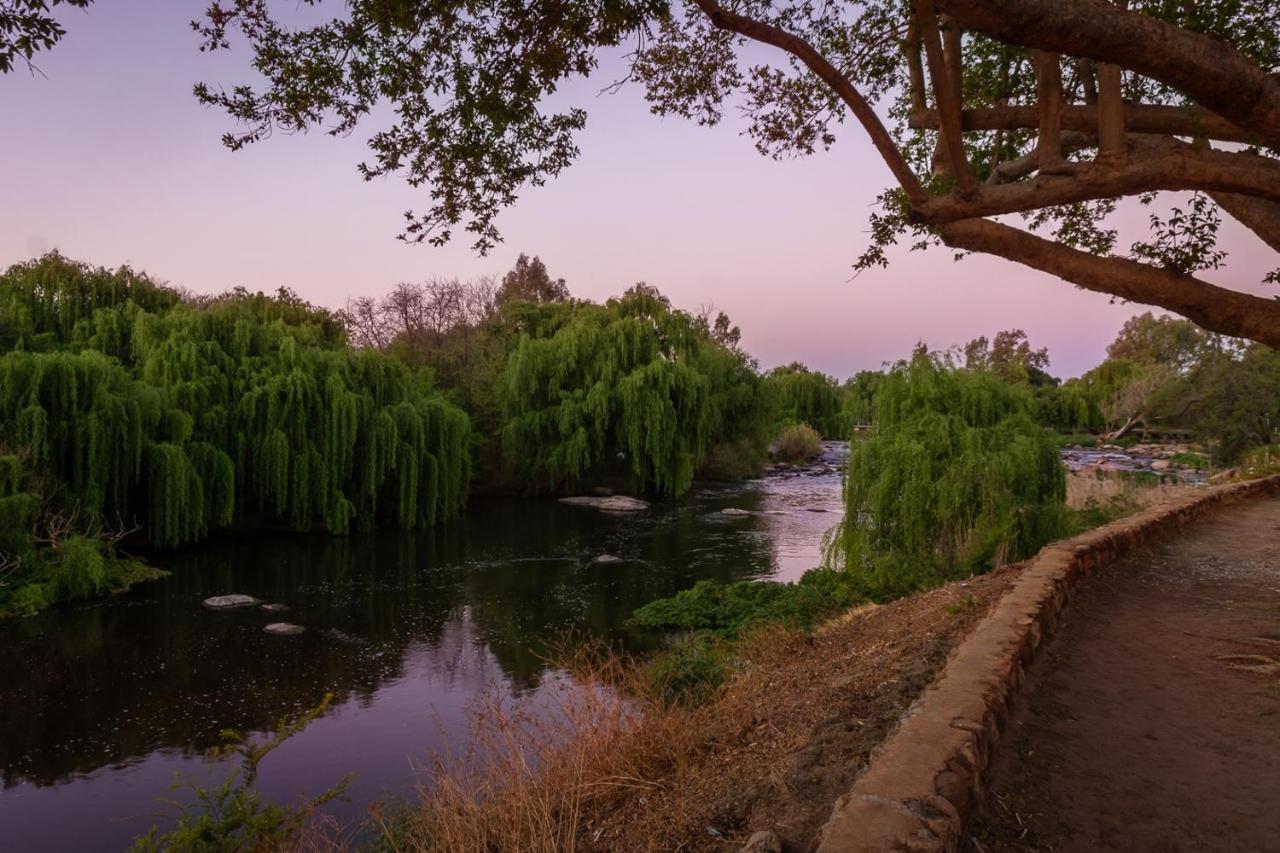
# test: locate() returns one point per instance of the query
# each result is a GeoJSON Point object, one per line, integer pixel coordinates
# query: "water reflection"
{"type": "Point", "coordinates": [103, 702]}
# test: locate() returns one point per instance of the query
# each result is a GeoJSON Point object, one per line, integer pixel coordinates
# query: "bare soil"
{"type": "Point", "coordinates": [1153, 716]}
{"type": "Point", "coordinates": [794, 730]}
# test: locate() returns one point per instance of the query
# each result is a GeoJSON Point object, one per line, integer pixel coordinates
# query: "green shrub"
{"type": "Point", "coordinates": [689, 672]}
{"type": "Point", "coordinates": [232, 815]}
{"type": "Point", "coordinates": [1198, 461]}
{"type": "Point", "coordinates": [728, 609]}
{"type": "Point", "coordinates": [797, 443]}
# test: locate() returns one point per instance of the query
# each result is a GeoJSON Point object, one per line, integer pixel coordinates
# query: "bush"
{"type": "Point", "coordinates": [797, 443]}
{"type": "Point", "coordinates": [729, 609]}
{"type": "Point", "coordinates": [688, 673]}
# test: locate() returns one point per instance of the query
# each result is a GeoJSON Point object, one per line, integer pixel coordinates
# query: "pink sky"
{"type": "Point", "coordinates": [109, 159]}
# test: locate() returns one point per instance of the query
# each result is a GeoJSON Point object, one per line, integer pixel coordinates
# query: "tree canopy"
{"type": "Point", "coordinates": [1046, 111]}
{"type": "Point", "coordinates": [126, 407]}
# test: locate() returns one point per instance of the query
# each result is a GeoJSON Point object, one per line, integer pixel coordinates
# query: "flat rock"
{"type": "Point", "coordinates": [608, 558]}
{"type": "Point", "coordinates": [284, 629]}
{"type": "Point", "coordinates": [274, 608]}
{"type": "Point", "coordinates": [733, 510]}
{"type": "Point", "coordinates": [610, 503]}
{"type": "Point", "coordinates": [224, 602]}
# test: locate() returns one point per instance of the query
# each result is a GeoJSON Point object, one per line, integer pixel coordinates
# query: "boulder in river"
{"type": "Point", "coordinates": [608, 558]}
{"type": "Point", "coordinates": [284, 629]}
{"type": "Point", "coordinates": [612, 503]}
{"type": "Point", "coordinates": [733, 510]}
{"type": "Point", "coordinates": [274, 608]}
{"type": "Point", "coordinates": [226, 602]}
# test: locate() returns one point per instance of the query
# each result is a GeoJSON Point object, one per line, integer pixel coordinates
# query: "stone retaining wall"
{"type": "Point", "coordinates": [922, 783]}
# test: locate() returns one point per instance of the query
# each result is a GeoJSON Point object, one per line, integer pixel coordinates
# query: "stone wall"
{"type": "Point", "coordinates": [923, 782]}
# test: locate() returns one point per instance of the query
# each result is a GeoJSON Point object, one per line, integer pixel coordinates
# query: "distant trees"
{"type": "Point", "coordinates": [126, 406]}
{"type": "Point", "coordinates": [1010, 356]}
{"type": "Point", "coordinates": [633, 388]}
{"type": "Point", "coordinates": [528, 281]}
{"type": "Point", "coordinates": [806, 396]}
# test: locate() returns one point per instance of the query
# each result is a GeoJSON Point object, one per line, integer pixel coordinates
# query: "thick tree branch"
{"type": "Point", "coordinates": [1029, 163]}
{"type": "Point", "coordinates": [1259, 215]}
{"type": "Point", "coordinates": [1210, 72]}
{"type": "Point", "coordinates": [1181, 168]}
{"type": "Point", "coordinates": [1175, 121]}
{"type": "Point", "coordinates": [1217, 309]}
{"type": "Point", "coordinates": [947, 93]}
{"type": "Point", "coordinates": [829, 74]}
{"type": "Point", "coordinates": [1049, 98]}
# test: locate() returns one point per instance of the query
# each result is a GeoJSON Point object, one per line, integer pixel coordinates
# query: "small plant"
{"type": "Point", "coordinates": [1198, 461]}
{"type": "Point", "coordinates": [690, 672]}
{"type": "Point", "coordinates": [232, 816]}
{"type": "Point", "coordinates": [797, 444]}
{"type": "Point", "coordinates": [1261, 461]}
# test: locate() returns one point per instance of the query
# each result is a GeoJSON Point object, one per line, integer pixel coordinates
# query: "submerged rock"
{"type": "Point", "coordinates": [612, 503]}
{"type": "Point", "coordinates": [733, 510]}
{"type": "Point", "coordinates": [608, 558]}
{"type": "Point", "coordinates": [225, 602]}
{"type": "Point", "coordinates": [274, 608]}
{"type": "Point", "coordinates": [284, 629]}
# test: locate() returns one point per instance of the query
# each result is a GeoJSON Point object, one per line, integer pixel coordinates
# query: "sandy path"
{"type": "Point", "coordinates": [1152, 721]}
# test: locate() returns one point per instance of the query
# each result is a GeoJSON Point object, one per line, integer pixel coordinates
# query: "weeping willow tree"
{"type": "Point", "coordinates": [956, 475]}
{"type": "Point", "coordinates": [631, 387]}
{"type": "Point", "coordinates": [809, 397]}
{"type": "Point", "coordinates": [182, 418]}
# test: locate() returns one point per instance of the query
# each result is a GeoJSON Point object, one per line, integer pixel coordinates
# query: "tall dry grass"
{"type": "Point", "coordinates": [537, 772]}
{"type": "Point", "coordinates": [1089, 491]}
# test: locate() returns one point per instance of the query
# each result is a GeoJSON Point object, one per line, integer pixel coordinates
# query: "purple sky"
{"type": "Point", "coordinates": [109, 159]}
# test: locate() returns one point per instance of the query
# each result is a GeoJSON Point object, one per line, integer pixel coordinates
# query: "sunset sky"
{"type": "Point", "coordinates": [109, 159]}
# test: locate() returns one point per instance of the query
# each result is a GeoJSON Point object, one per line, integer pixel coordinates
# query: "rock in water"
{"type": "Point", "coordinates": [613, 503]}
{"type": "Point", "coordinates": [223, 602]}
{"type": "Point", "coordinates": [608, 558]}
{"type": "Point", "coordinates": [733, 510]}
{"type": "Point", "coordinates": [274, 608]}
{"type": "Point", "coordinates": [284, 629]}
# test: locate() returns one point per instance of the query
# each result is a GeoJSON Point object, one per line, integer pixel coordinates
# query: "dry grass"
{"type": "Point", "coordinates": [605, 767]}
{"type": "Point", "coordinates": [1087, 491]}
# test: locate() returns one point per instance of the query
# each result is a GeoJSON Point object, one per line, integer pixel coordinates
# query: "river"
{"type": "Point", "coordinates": [105, 702]}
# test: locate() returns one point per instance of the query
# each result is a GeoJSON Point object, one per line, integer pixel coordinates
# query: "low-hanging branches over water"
{"type": "Point", "coordinates": [129, 408]}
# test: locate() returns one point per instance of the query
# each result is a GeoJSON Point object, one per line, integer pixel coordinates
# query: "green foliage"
{"type": "Point", "coordinates": [632, 387]}
{"type": "Point", "coordinates": [796, 444]}
{"type": "Point", "coordinates": [689, 672]}
{"type": "Point", "coordinates": [809, 397]}
{"type": "Point", "coordinates": [135, 408]}
{"type": "Point", "coordinates": [232, 815]}
{"type": "Point", "coordinates": [956, 476]}
{"type": "Point", "coordinates": [729, 609]}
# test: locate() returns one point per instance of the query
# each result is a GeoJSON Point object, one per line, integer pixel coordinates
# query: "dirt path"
{"type": "Point", "coordinates": [1152, 720]}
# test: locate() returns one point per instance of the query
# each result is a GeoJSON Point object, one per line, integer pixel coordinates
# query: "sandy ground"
{"type": "Point", "coordinates": [1153, 717]}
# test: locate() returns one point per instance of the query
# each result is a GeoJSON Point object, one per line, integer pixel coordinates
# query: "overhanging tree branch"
{"type": "Point", "coordinates": [1177, 169]}
{"type": "Point", "coordinates": [829, 74]}
{"type": "Point", "coordinates": [1215, 308]}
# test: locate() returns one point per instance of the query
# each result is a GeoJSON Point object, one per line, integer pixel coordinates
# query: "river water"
{"type": "Point", "coordinates": [102, 704]}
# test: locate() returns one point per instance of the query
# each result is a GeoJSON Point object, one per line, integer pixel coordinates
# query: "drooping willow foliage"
{"type": "Point", "coordinates": [632, 387]}
{"type": "Point", "coordinates": [956, 475]}
{"type": "Point", "coordinates": [809, 397]}
{"type": "Point", "coordinates": [186, 417]}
